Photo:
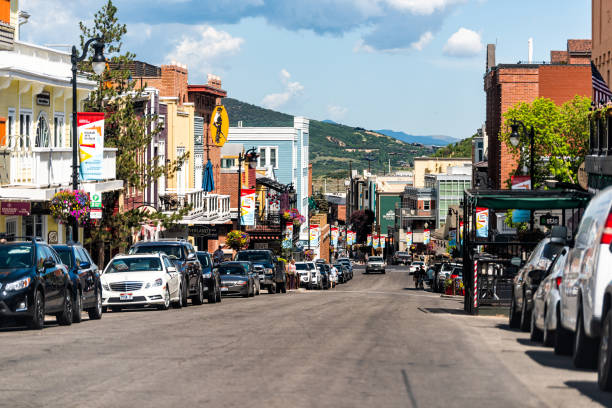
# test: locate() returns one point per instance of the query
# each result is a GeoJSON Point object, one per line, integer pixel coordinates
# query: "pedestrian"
{"type": "Point", "coordinates": [218, 255]}
{"type": "Point", "coordinates": [292, 275]}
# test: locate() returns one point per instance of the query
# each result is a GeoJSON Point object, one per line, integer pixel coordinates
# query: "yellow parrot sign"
{"type": "Point", "coordinates": [219, 125]}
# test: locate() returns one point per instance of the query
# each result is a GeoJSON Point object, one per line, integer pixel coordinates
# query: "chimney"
{"type": "Point", "coordinates": [530, 47]}
{"type": "Point", "coordinates": [490, 56]}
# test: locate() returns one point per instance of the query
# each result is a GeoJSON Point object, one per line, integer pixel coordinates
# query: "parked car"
{"type": "Point", "coordinates": [401, 258]}
{"type": "Point", "coordinates": [375, 264]}
{"type": "Point", "coordinates": [342, 272]}
{"type": "Point", "coordinates": [528, 278]}
{"type": "Point", "coordinates": [303, 271]}
{"type": "Point", "coordinates": [211, 280]}
{"type": "Point", "coordinates": [315, 277]}
{"type": "Point", "coordinates": [349, 266]}
{"type": "Point", "coordinates": [85, 277]}
{"type": "Point", "coordinates": [236, 279]}
{"type": "Point", "coordinates": [414, 266]}
{"type": "Point", "coordinates": [546, 301]}
{"type": "Point", "coordinates": [251, 270]}
{"type": "Point", "coordinates": [141, 280]}
{"type": "Point", "coordinates": [271, 271]}
{"type": "Point", "coordinates": [324, 273]}
{"type": "Point", "coordinates": [443, 274]}
{"type": "Point", "coordinates": [184, 257]}
{"type": "Point", "coordinates": [34, 283]}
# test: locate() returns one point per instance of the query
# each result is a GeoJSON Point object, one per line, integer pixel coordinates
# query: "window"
{"type": "Point", "coordinates": [42, 131]}
{"type": "Point", "coordinates": [58, 130]}
{"type": "Point", "coordinates": [33, 226]}
{"type": "Point", "coordinates": [426, 205]}
{"type": "Point", "coordinates": [228, 163]}
{"type": "Point", "coordinates": [262, 157]}
{"type": "Point", "coordinates": [273, 158]}
{"type": "Point", "coordinates": [11, 226]}
{"type": "Point", "coordinates": [25, 124]}
{"type": "Point", "coordinates": [10, 125]}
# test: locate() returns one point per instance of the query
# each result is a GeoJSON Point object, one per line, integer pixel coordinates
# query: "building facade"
{"type": "Point", "coordinates": [434, 165]}
{"type": "Point", "coordinates": [448, 190]}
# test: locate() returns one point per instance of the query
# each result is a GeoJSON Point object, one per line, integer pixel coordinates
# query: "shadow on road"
{"type": "Point", "coordinates": [505, 326]}
{"type": "Point", "coordinates": [591, 390]}
{"type": "Point", "coordinates": [548, 358]}
{"type": "Point", "coordinates": [440, 310]}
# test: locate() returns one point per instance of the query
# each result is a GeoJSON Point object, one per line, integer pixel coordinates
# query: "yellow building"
{"type": "Point", "coordinates": [434, 165]}
{"type": "Point", "coordinates": [180, 126]}
{"type": "Point", "coordinates": [35, 142]}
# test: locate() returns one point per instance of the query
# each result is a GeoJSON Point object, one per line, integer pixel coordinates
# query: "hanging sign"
{"type": "Point", "coordinates": [482, 222]}
{"type": "Point", "coordinates": [409, 238]}
{"type": "Point", "coordinates": [383, 241]}
{"type": "Point", "coordinates": [520, 182]}
{"type": "Point", "coordinates": [461, 232]}
{"type": "Point", "coordinates": [90, 128]}
{"type": "Point", "coordinates": [452, 238]}
{"type": "Point", "coordinates": [334, 236]}
{"type": "Point", "coordinates": [219, 126]}
{"type": "Point", "coordinates": [23, 208]}
{"type": "Point", "coordinates": [95, 214]}
{"type": "Point", "coordinates": [95, 200]}
{"type": "Point", "coordinates": [369, 240]}
{"type": "Point", "coordinates": [288, 236]}
{"type": "Point", "coordinates": [247, 206]}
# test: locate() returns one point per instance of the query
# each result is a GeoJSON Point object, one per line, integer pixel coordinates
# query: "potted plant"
{"type": "Point", "coordinates": [237, 240]}
{"type": "Point", "coordinates": [67, 206]}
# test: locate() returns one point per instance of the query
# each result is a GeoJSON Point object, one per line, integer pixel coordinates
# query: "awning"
{"type": "Point", "coordinates": [528, 199]}
{"type": "Point", "coordinates": [273, 184]}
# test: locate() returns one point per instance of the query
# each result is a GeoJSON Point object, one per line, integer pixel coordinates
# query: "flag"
{"type": "Point", "coordinates": [601, 92]}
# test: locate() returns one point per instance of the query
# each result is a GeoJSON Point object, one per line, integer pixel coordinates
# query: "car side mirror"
{"type": "Point", "coordinates": [84, 265]}
{"type": "Point", "coordinates": [48, 263]}
{"type": "Point", "coordinates": [171, 269]}
{"type": "Point", "coordinates": [191, 257]}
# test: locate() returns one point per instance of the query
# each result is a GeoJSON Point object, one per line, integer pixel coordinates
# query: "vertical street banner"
{"type": "Point", "coordinates": [288, 236]}
{"type": "Point", "coordinates": [426, 237]}
{"type": "Point", "coordinates": [375, 241]}
{"type": "Point", "coordinates": [90, 128]}
{"type": "Point", "coordinates": [352, 237]}
{"type": "Point", "coordinates": [314, 235]}
{"type": "Point", "coordinates": [452, 238]}
{"type": "Point", "coordinates": [461, 233]}
{"type": "Point", "coordinates": [521, 183]}
{"type": "Point", "coordinates": [383, 241]}
{"type": "Point", "coordinates": [369, 240]}
{"type": "Point", "coordinates": [482, 222]}
{"type": "Point", "coordinates": [409, 238]}
{"type": "Point", "coordinates": [247, 206]}
{"type": "Point", "coordinates": [334, 236]}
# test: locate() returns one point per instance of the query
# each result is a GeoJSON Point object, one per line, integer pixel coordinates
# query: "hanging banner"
{"type": "Point", "coordinates": [375, 241]}
{"type": "Point", "coordinates": [482, 222]}
{"type": "Point", "coordinates": [288, 236]}
{"type": "Point", "coordinates": [461, 232]}
{"type": "Point", "coordinates": [369, 240]}
{"type": "Point", "coordinates": [247, 206]}
{"type": "Point", "coordinates": [452, 238]}
{"type": "Point", "coordinates": [409, 238]}
{"type": "Point", "coordinates": [351, 238]}
{"type": "Point", "coordinates": [383, 241]}
{"type": "Point", "coordinates": [426, 237]}
{"type": "Point", "coordinates": [334, 236]}
{"type": "Point", "coordinates": [90, 128]}
{"type": "Point", "coordinates": [314, 235]}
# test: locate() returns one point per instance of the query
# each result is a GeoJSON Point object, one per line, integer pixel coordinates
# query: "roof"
{"type": "Point", "coordinates": [579, 46]}
{"type": "Point", "coordinates": [273, 184]}
{"type": "Point", "coordinates": [207, 89]}
{"type": "Point", "coordinates": [336, 199]}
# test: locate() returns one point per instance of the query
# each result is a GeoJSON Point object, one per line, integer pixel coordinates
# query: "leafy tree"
{"type": "Point", "coordinates": [362, 221]}
{"type": "Point", "coordinates": [561, 137]}
{"type": "Point", "coordinates": [462, 148]}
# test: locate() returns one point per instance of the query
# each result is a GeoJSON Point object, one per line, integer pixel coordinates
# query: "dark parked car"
{"type": "Point", "coordinates": [342, 272]}
{"type": "Point", "coordinates": [85, 277]}
{"type": "Point", "coordinates": [348, 266]}
{"type": "Point", "coordinates": [34, 283]}
{"type": "Point", "coordinates": [183, 255]}
{"type": "Point", "coordinates": [528, 278]}
{"type": "Point", "coordinates": [270, 269]}
{"type": "Point", "coordinates": [324, 270]}
{"type": "Point", "coordinates": [210, 276]}
{"type": "Point", "coordinates": [236, 279]}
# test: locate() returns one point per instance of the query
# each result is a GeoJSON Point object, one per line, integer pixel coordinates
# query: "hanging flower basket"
{"type": "Point", "coordinates": [237, 240]}
{"type": "Point", "coordinates": [66, 206]}
{"type": "Point", "coordinates": [309, 254]}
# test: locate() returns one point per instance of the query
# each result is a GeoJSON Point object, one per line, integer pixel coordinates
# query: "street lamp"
{"type": "Point", "coordinates": [98, 64]}
{"type": "Point", "coordinates": [247, 156]}
{"type": "Point", "coordinates": [370, 159]}
{"type": "Point", "coordinates": [515, 141]}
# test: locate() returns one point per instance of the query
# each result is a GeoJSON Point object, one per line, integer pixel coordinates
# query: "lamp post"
{"type": "Point", "coordinates": [98, 64]}
{"type": "Point", "coordinates": [515, 140]}
{"type": "Point", "coordinates": [247, 156]}
{"type": "Point", "coordinates": [370, 159]}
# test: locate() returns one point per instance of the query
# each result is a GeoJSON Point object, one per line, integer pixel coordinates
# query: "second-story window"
{"type": "Point", "coordinates": [426, 205]}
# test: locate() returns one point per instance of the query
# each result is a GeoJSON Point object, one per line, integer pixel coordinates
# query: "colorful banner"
{"type": "Point", "coordinates": [369, 240]}
{"type": "Point", "coordinates": [461, 232]}
{"type": "Point", "coordinates": [288, 236]}
{"type": "Point", "coordinates": [315, 232]}
{"type": "Point", "coordinates": [409, 238]}
{"type": "Point", "coordinates": [247, 206]}
{"type": "Point", "coordinates": [383, 241]}
{"type": "Point", "coordinates": [426, 237]}
{"type": "Point", "coordinates": [351, 237]}
{"type": "Point", "coordinates": [375, 242]}
{"type": "Point", "coordinates": [334, 236]}
{"type": "Point", "coordinates": [452, 238]}
{"type": "Point", "coordinates": [90, 128]}
{"type": "Point", "coordinates": [521, 182]}
{"type": "Point", "coordinates": [482, 222]}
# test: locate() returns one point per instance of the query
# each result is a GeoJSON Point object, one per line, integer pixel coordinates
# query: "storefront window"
{"type": "Point", "coordinates": [33, 226]}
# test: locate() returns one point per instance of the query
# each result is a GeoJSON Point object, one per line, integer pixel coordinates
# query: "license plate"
{"type": "Point", "coordinates": [126, 296]}
{"type": "Point", "coordinates": [224, 289]}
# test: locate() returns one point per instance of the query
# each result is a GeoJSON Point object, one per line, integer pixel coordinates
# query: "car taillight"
{"type": "Point", "coordinates": [558, 281]}
{"type": "Point", "coordinates": [606, 237]}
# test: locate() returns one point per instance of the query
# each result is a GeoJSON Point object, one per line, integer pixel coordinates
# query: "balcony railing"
{"type": "Point", "coordinates": [204, 206]}
{"type": "Point", "coordinates": [7, 37]}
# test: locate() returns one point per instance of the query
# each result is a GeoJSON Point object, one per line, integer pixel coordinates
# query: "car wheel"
{"type": "Point", "coordinates": [525, 316]}
{"type": "Point", "coordinates": [212, 295]}
{"type": "Point", "coordinates": [37, 321]}
{"type": "Point", "coordinates": [535, 333]}
{"type": "Point", "coordinates": [252, 292]}
{"type": "Point", "coordinates": [64, 318]}
{"type": "Point", "coordinates": [179, 303]}
{"type": "Point", "coordinates": [185, 294]}
{"type": "Point", "coordinates": [604, 366]}
{"type": "Point", "coordinates": [514, 319]}
{"type": "Point", "coordinates": [258, 290]}
{"type": "Point", "coordinates": [166, 304]}
{"type": "Point", "coordinates": [548, 336]}
{"type": "Point", "coordinates": [585, 348]}
{"type": "Point", "coordinates": [218, 294]}
{"type": "Point", "coordinates": [198, 299]}
{"type": "Point", "coordinates": [563, 338]}
{"type": "Point", "coordinates": [272, 288]}
{"type": "Point", "coordinates": [77, 310]}
{"type": "Point", "coordinates": [95, 313]}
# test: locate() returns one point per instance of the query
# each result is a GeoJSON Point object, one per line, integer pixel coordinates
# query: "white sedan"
{"type": "Point", "coordinates": [141, 280]}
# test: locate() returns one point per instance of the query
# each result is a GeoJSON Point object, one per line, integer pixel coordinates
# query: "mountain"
{"type": "Point", "coordinates": [333, 147]}
{"type": "Point", "coordinates": [434, 140]}
{"type": "Point", "coordinates": [331, 122]}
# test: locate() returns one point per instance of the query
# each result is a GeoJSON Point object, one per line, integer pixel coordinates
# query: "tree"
{"type": "Point", "coordinates": [124, 130]}
{"type": "Point", "coordinates": [561, 137]}
{"type": "Point", "coordinates": [362, 221]}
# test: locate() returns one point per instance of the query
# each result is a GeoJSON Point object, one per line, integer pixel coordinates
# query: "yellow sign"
{"type": "Point", "coordinates": [219, 126]}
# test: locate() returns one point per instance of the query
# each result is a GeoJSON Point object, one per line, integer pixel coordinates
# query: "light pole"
{"type": "Point", "coordinates": [515, 140]}
{"type": "Point", "coordinates": [98, 64]}
{"type": "Point", "coordinates": [370, 159]}
{"type": "Point", "coordinates": [247, 156]}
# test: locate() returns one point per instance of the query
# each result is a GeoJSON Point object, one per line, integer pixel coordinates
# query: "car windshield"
{"type": "Point", "coordinates": [254, 256]}
{"type": "Point", "coordinates": [231, 270]}
{"type": "Point", "coordinates": [376, 259]}
{"type": "Point", "coordinates": [417, 263]}
{"type": "Point", "coordinates": [173, 251]}
{"type": "Point", "coordinates": [16, 256]}
{"type": "Point", "coordinates": [551, 250]}
{"type": "Point", "coordinates": [65, 255]}
{"type": "Point", "coordinates": [301, 267]}
{"type": "Point", "coordinates": [135, 264]}
{"type": "Point", "coordinates": [203, 260]}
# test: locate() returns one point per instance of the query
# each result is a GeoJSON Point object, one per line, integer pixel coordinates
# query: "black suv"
{"type": "Point", "coordinates": [33, 282]}
{"type": "Point", "coordinates": [182, 253]}
{"type": "Point", "coordinates": [270, 269]}
{"type": "Point", "coordinates": [212, 281]}
{"type": "Point", "coordinates": [85, 277]}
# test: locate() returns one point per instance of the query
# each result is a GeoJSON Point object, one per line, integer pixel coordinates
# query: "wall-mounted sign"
{"type": "Point", "coordinates": [43, 99]}
{"type": "Point", "coordinates": [52, 237]}
{"type": "Point", "coordinates": [15, 208]}
{"type": "Point", "coordinates": [204, 231]}
{"type": "Point", "coordinates": [247, 206]}
{"type": "Point", "coordinates": [95, 200]}
{"type": "Point", "coordinates": [219, 126]}
{"type": "Point", "coordinates": [95, 214]}
{"type": "Point", "coordinates": [549, 220]}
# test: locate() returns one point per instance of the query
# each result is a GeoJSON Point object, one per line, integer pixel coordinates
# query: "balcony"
{"type": "Point", "coordinates": [206, 208]}
{"type": "Point", "coordinates": [7, 37]}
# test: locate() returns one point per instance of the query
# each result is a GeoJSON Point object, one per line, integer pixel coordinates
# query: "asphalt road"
{"type": "Point", "coordinates": [374, 341]}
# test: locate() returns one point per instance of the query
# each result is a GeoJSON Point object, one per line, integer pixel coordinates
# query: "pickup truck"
{"type": "Point", "coordinates": [269, 268]}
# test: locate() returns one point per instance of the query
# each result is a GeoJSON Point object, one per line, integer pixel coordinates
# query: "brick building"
{"type": "Point", "coordinates": [567, 75]}
{"type": "Point", "coordinates": [601, 33]}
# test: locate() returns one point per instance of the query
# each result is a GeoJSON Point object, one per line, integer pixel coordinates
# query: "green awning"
{"type": "Point", "coordinates": [528, 200]}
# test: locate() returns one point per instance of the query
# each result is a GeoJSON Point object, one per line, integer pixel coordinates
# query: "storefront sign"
{"type": "Point", "coordinates": [482, 222]}
{"type": "Point", "coordinates": [549, 220]}
{"type": "Point", "coordinates": [91, 144]}
{"type": "Point", "coordinates": [15, 208]}
{"type": "Point", "coordinates": [247, 206]}
{"type": "Point", "coordinates": [95, 214]}
{"type": "Point", "coordinates": [52, 237]}
{"type": "Point", "coordinates": [409, 238]}
{"type": "Point", "coordinates": [204, 231]}
{"type": "Point", "coordinates": [95, 200]}
{"type": "Point", "coordinates": [521, 182]}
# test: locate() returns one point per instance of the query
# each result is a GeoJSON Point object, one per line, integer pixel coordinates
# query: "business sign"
{"type": "Point", "coordinates": [247, 206]}
{"type": "Point", "coordinates": [90, 128]}
{"type": "Point", "coordinates": [95, 214]}
{"type": "Point", "coordinates": [409, 238]}
{"type": "Point", "coordinates": [315, 232]}
{"type": "Point", "coordinates": [334, 236]}
{"type": "Point", "coordinates": [15, 208]}
{"type": "Point", "coordinates": [288, 236]}
{"type": "Point", "coordinates": [95, 200]}
{"type": "Point", "coordinates": [219, 126]}
{"type": "Point", "coordinates": [204, 231]}
{"type": "Point", "coordinates": [521, 182]}
{"type": "Point", "coordinates": [549, 220]}
{"type": "Point", "coordinates": [452, 238]}
{"type": "Point", "coordinates": [369, 240]}
{"type": "Point", "coordinates": [426, 237]}
{"type": "Point", "coordinates": [482, 222]}
{"type": "Point", "coordinates": [461, 232]}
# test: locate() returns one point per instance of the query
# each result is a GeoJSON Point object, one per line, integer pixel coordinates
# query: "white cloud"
{"type": "Point", "coordinates": [361, 46]}
{"type": "Point", "coordinates": [464, 43]}
{"type": "Point", "coordinates": [291, 90]}
{"type": "Point", "coordinates": [336, 113]}
{"type": "Point", "coordinates": [425, 39]}
{"type": "Point", "coordinates": [425, 7]}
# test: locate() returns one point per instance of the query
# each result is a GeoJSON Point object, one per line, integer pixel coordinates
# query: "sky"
{"type": "Point", "coordinates": [409, 65]}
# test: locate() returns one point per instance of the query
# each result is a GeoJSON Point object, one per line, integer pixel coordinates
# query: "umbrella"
{"type": "Point", "coordinates": [208, 182]}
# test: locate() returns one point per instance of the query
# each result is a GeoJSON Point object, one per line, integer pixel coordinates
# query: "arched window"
{"type": "Point", "coordinates": [42, 131]}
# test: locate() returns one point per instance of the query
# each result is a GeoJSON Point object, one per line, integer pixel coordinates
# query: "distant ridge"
{"type": "Point", "coordinates": [434, 140]}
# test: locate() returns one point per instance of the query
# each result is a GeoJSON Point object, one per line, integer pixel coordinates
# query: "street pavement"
{"type": "Point", "coordinates": [374, 341]}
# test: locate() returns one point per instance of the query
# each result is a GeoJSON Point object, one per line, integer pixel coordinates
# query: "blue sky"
{"type": "Point", "coordinates": [410, 65]}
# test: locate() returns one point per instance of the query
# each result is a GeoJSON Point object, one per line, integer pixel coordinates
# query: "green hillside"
{"type": "Point", "coordinates": [333, 146]}
{"type": "Point", "coordinates": [462, 148]}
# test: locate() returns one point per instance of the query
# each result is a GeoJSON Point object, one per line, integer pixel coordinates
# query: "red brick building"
{"type": "Point", "coordinates": [567, 75]}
